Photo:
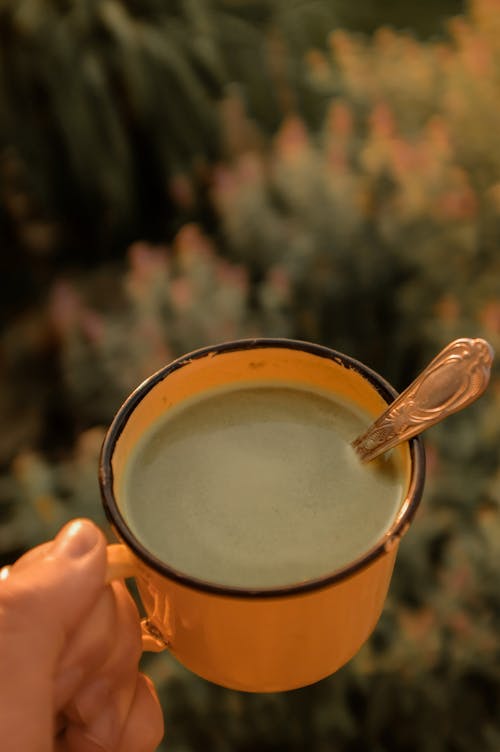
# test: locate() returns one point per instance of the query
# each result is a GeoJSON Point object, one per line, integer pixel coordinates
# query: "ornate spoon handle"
{"type": "Point", "coordinates": [457, 376]}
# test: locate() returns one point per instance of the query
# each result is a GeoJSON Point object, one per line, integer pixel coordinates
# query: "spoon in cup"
{"type": "Point", "coordinates": [456, 377]}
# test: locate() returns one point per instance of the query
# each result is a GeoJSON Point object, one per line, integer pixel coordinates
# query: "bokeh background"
{"type": "Point", "coordinates": [174, 174]}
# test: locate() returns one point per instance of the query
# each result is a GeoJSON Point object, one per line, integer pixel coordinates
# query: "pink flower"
{"type": "Point", "coordinates": [280, 282]}
{"type": "Point", "coordinates": [181, 294]}
{"type": "Point", "coordinates": [232, 275]}
{"type": "Point", "coordinates": [382, 121]}
{"type": "Point", "coordinates": [191, 244]}
{"type": "Point", "coordinates": [64, 307]}
{"type": "Point", "coordinates": [181, 191]}
{"type": "Point", "coordinates": [319, 65]}
{"type": "Point", "coordinates": [438, 136]}
{"type": "Point", "coordinates": [292, 140]}
{"type": "Point", "coordinates": [340, 120]}
{"type": "Point", "coordinates": [459, 201]}
{"type": "Point", "coordinates": [489, 315]}
{"type": "Point", "coordinates": [250, 169]}
{"type": "Point", "coordinates": [448, 309]}
{"type": "Point", "coordinates": [93, 326]}
{"type": "Point", "coordinates": [146, 261]}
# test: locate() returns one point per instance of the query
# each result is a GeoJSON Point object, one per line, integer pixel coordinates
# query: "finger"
{"type": "Point", "coordinates": [108, 647]}
{"type": "Point", "coordinates": [31, 556]}
{"type": "Point", "coordinates": [141, 730]}
{"type": "Point", "coordinates": [40, 606]}
{"type": "Point", "coordinates": [108, 721]}
{"type": "Point", "coordinates": [87, 650]}
{"type": "Point", "coordinates": [144, 729]}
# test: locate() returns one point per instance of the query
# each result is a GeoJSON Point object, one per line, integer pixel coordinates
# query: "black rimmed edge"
{"type": "Point", "coordinates": [387, 392]}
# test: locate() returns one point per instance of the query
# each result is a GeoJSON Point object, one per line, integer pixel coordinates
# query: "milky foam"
{"type": "Point", "coordinates": [257, 486]}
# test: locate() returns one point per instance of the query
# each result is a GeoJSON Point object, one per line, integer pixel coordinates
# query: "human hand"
{"type": "Point", "coordinates": [69, 653]}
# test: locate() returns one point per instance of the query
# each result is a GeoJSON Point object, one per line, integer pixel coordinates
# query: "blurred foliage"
{"type": "Point", "coordinates": [70, 363]}
{"type": "Point", "coordinates": [106, 107]}
{"type": "Point", "coordinates": [426, 19]}
{"type": "Point", "coordinates": [375, 232]}
{"type": "Point", "coordinates": [122, 98]}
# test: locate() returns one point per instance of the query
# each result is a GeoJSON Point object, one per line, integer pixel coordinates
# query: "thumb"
{"type": "Point", "coordinates": [41, 604]}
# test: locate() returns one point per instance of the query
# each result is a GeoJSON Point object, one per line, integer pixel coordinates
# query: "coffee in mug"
{"type": "Point", "coordinates": [262, 548]}
{"type": "Point", "coordinates": [257, 485]}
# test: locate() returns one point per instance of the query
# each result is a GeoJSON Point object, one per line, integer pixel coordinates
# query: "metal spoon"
{"type": "Point", "coordinates": [457, 376]}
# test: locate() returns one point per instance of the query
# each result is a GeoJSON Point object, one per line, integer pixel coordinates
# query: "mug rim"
{"type": "Point", "coordinates": [394, 533]}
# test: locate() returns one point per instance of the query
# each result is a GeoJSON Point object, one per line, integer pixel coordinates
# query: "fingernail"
{"type": "Point", "coordinates": [76, 539]}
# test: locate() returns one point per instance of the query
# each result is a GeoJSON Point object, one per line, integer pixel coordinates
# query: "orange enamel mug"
{"type": "Point", "coordinates": [256, 640]}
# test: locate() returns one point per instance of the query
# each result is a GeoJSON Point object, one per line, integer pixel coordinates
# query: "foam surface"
{"type": "Point", "coordinates": [257, 487]}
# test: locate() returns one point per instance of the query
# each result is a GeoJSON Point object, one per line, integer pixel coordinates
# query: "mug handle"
{"type": "Point", "coordinates": [120, 566]}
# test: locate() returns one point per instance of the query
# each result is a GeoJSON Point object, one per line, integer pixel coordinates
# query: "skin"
{"type": "Point", "coordinates": [69, 652]}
